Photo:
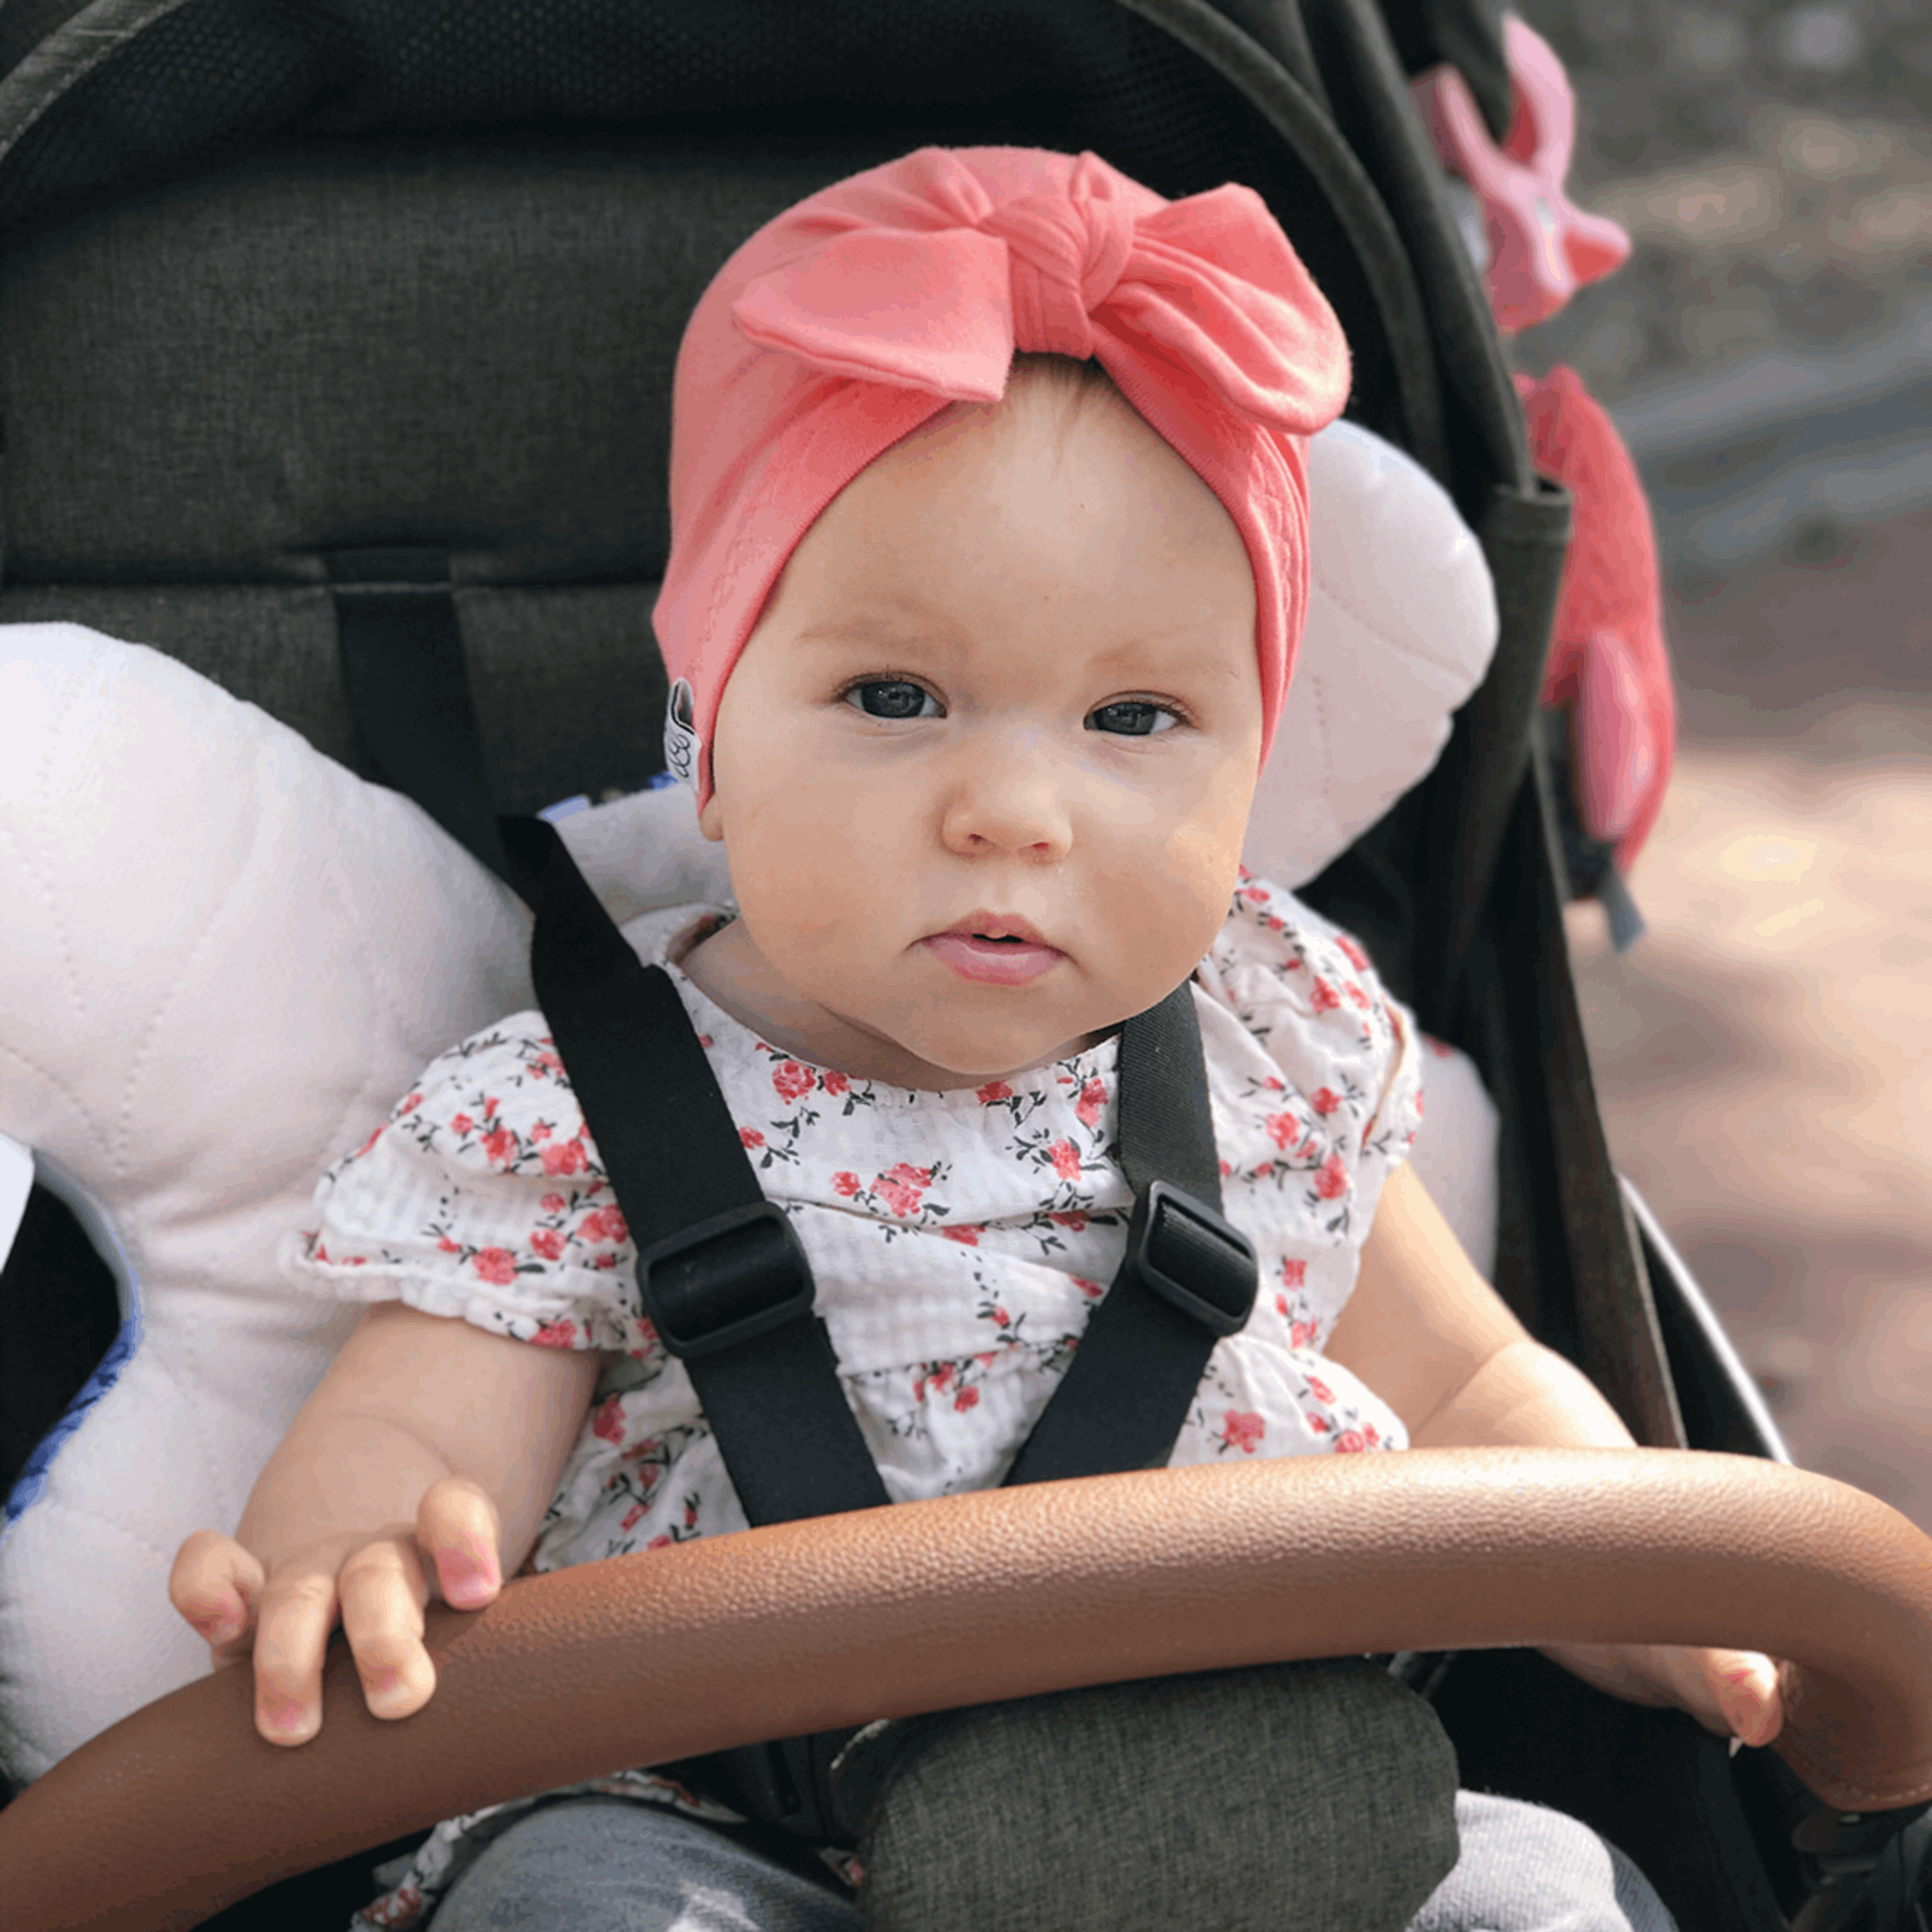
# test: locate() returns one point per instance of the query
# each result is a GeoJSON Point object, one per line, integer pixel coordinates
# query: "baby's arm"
{"type": "Point", "coordinates": [1427, 1333]}
{"type": "Point", "coordinates": [430, 1446]}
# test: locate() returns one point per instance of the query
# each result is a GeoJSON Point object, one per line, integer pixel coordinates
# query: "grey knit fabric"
{"type": "Point", "coordinates": [1298, 1798]}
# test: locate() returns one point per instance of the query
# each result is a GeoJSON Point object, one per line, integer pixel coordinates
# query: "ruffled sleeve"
{"type": "Point", "coordinates": [483, 1196]}
{"type": "Point", "coordinates": [1306, 990]}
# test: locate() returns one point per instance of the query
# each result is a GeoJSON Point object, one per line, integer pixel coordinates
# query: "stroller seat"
{"type": "Point", "coordinates": [378, 299]}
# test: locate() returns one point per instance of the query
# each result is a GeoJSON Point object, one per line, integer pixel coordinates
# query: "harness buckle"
{"type": "Point", "coordinates": [1189, 1256]}
{"type": "Point", "coordinates": [724, 1281]}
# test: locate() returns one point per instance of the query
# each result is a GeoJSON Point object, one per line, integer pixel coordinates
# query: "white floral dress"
{"type": "Point", "coordinates": [958, 1241]}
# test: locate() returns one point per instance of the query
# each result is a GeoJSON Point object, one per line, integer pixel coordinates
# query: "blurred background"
{"type": "Point", "coordinates": [1764, 1053]}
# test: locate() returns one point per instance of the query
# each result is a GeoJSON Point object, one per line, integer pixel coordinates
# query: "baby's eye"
{"type": "Point", "coordinates": [1133, 718]}
{"type": "Point", "coordinates": [893, 698]}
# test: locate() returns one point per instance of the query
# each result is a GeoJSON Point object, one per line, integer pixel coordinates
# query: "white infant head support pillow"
{"type": "Point", "coordinates": [224, 958]}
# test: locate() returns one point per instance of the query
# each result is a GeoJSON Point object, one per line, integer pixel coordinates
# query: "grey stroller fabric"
{"type": "Point", "coordinates": [1296, 1797]}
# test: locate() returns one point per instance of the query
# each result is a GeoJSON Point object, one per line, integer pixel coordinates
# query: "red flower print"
{"type": "Point", "coordinates": [369, 1143]}
{"type": "Point", "coordinates": [1332, 1182]}
{"type": "Point", "coordinates": [549, 1243]}
{"type": "Point", "coordinates": [411, 1104]}
{"type": "Point", "coordinates": [902, 1186]}
{"type": "Point", "coordinates": [565, 1157]}
{"type": "Point", "coordinates": [1066, 1160]}
{"type": "Point", "coordinates": [1348, 1442]}
{"type": "Point", "coordinates": [966, 1398]}
{"type": "Point", "coordinates": [1254, 895]}
{"type": "Point", "coordinates": [500, 1146]}
{"type": "Point", "coordinates": [1325, 1100]}
{"type": "Point", "coordinates": [942, 1376]}
{"type": "Point", "coordinates": [1357, 957]}
{"type": "Point", "coordinates": [1294, 1274]}
{"type": "Point", "coordinates": [1326, 996]}
{"type": "Point", "coordinates": [1302, 1334]}
{"type": "Point", "coordinates": [1226, 1169]}
{"type": "Point", "coordinates": [1244, 1430]}
{"type": "Point", "coordinates": [993, 1092]}
{"type": "Point", "coordinates": [1092, 1290]}
{"type": "Point", "coordinates": [489, 1108]}
{"type": "Point", "coordinates": [552, 1204]}
{"type": "Point", "coordinates": [496, 1265]}
{"type": "Point", "coordinates": [557, 1334]}
{"type": "Point", "coordinates": [1369, 1431]}
{"type": "Point", "coordinates": [704, 1040]}
{"type": "Point", "coordinates": [462, 1122]}
{"type": "Point", "coordinates": [792, 1081]}
{"type": "Point", "coordinates": [750, 1137]}
{"type": "Point", "coordinates": [966, 1234]}
{"type": "Point", "coordinates": [547, 1064]}
{"type": "Point", "coordinates": [834, 1084]}
{"type": "Point", "coordinates": [1092, 1102]}
{"type": "Point", "coordinates": [1322, 1393]}
{"type": "Point", "coordinates": [1283, 1128]}
{"type": "Point", "coordinates": [1319, 1424]}
{"type": "Point", "coordinates": [607, 1423]}
{"type": "Point", "coordinates": [448, 1246]}
{"type": "Point", "coordinates": [632, 1516]}
{"type": "Point", "coordinates": [1280, 1303]}
{"type": "Point", "coordinates": [659, 1542]}
{"type": "Point", "coordinates": [1422, 1101]}
{"type": "Point", "coordinates": [1355, 993]}
{"type": "Point", "coordinates": [1074, 1221]}
{"type": "Point", "coordinates": [1001, 1317]}
{"type": "Point", "coordinates": [542, 1131]}
{"type": "Point", "coordinates": [603, 1224]}
{"type": "Point", "coordinates": [1441, 1051]}
{"type": "Point", "coordinates": [845, 1184]}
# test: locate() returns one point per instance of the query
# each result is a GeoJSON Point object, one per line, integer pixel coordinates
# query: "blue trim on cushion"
{"type": "Point", "coordinates": [33, 1483]}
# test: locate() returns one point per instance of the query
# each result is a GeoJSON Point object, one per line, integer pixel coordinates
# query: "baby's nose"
{"type": "Point", "coordinates": [1008, 794]}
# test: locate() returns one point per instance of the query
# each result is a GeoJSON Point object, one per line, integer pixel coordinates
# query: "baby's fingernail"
{"type": "Point", "coordinates": [283, 1719]}
{"type": "Point", "coordinates": [1737, 1744]}
{"type": "Point", "coordinates": [467, 1577]}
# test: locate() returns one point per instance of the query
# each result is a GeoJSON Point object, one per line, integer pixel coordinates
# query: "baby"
{"type": "Point", "coordinates": [988, 563]}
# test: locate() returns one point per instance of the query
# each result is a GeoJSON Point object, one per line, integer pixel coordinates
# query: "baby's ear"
{"type": "Point", "coordinates": [710, 819]}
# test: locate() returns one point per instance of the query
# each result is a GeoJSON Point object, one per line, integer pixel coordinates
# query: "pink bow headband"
{"type": "Point", "coordinates": [853, 318]}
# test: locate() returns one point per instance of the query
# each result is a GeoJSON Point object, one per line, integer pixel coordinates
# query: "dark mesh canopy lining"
{"type": "Point", "coordinates": [210, 78]}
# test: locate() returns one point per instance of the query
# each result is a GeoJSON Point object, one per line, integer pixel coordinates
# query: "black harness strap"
{"type": "Point", "coordinates": [720, 1271]}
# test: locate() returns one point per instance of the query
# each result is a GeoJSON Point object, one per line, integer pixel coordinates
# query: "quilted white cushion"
{"type": "Point", "coordinates": [223, 957]}
{"type": "Point", "coordinates": [1401, 626]}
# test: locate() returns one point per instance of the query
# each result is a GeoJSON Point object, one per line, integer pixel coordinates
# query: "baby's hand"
{"type": "Point", "coordinates": [1736, 1693]}
{"type": "Point", "coordinates": [375, 1585]}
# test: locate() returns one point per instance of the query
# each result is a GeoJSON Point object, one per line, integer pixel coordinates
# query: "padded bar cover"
{"type": "Point", "coordinates": [797, 1627]}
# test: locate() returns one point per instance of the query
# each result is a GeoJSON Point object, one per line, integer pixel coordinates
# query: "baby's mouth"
{"type": "Point", "coordinates": [1000, 956]}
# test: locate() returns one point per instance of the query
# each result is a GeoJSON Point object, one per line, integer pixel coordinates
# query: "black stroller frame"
{"type": "Point", "coordinates": [174, 117]}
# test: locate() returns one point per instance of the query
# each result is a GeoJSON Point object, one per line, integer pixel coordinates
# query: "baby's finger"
{"type": "Point", "coordinates": [382, 1591]}
{"type": "Point", "coordinates": [1746, 1685]}
{"type": "Point", "coordinates": [217, 1584]}
{"type": "Point", "coordinates": [298, 1610]}
{"type": "Point", "coordinates": [458, 1527]}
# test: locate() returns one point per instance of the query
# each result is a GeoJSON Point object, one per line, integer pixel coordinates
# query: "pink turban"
{"type": "Point", "coordinates": [853, 318]}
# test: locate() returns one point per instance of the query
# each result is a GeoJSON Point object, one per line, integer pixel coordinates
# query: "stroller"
{"type": "Point", "coordinates": [233, 413]}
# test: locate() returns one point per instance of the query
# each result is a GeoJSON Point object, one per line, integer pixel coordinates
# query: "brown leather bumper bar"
{"type": "Point", "coordinates": [181, 1808]}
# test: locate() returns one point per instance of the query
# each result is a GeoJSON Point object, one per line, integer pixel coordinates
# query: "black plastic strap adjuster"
{"type": "Point", "coordinates": [724, 1281]}
{"type": "Point", "coordinates": [1189, 1256]}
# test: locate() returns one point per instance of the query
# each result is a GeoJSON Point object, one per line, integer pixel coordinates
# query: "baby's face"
{"type": "Point", "coordinates": [1008, 680]}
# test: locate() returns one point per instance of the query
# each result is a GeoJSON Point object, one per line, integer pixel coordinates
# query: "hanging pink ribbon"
{"type": "Point", "coordinates": [841, 325]}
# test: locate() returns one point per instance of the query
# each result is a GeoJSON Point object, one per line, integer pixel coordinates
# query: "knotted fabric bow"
{"type": "Point", "coordinates": [851, 319]}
